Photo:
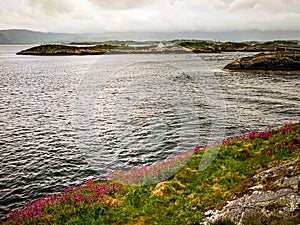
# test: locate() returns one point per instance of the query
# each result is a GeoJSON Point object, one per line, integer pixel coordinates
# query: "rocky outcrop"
{"type": "Point", "coordinates": [274, 192]}
{"type": "Point", "coordinates": [264, 62]}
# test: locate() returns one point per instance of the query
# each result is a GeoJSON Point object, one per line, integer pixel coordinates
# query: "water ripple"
{"type": "Point", "coordinates": [141, 114]}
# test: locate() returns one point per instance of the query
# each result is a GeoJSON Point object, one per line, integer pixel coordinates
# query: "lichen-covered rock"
{"type": "Point", "coordinates": [276, 191]}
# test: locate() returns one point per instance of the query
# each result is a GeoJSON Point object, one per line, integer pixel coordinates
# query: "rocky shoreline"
{"type": "Point", "coordinates": [255, 179]}
{"type": "Point", "coordinates": [273, 191]}
{"type": "Point", "coordinates": [268, 62]}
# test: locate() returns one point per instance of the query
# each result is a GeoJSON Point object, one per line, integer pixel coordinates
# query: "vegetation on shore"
{"type": "Point", "coordinates": [182, 199]}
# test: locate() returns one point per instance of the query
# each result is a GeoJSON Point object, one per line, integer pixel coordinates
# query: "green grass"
{"type": "Point", "coordinates": [185, 197]}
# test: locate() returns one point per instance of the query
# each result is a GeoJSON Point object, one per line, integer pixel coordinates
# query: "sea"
{"type": "Point", "coordinates": [67, 119]}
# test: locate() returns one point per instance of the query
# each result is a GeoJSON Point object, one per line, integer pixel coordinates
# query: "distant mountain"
{"type": "Point", "coordinates": [18, 36]}
{"type": "Point", "coordinates": [21, 36]}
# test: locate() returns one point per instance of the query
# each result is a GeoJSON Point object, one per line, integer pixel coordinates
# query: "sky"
{"type": "Point", "coordinates": [96, 16]}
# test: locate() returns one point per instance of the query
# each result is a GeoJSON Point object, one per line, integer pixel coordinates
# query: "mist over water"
{"type": "Point", "coordinates": [66, 119]}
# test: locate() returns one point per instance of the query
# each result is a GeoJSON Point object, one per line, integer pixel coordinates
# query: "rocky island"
{"type": "Point", "coordinates": [66, 50]}
{"type": "Point", "coordinates": [53, 49]}
{"type": "Point", "coordinates": [267, 62]}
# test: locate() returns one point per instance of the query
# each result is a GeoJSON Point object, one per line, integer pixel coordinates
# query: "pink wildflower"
{"type": "Point", "coordinates": [263, 134]}
{"type": "Point", "coordinates": [286, 128]}
{"type": "Point", "coordinates": [89, 182]}
{"type": "Point", "coordinates": [77, 197]}
{"type": "Point", "coordinates": [298, 138]}
{"type": "Point", "coordinates": [196, 149]}
{"type": "Point", "coordinates": [269, 153]}
{"type": "Point", "coordinates": [252, 134]}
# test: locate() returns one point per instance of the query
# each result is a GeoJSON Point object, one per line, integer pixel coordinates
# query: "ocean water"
{"type": "Point", "coordinates": [65, 119]}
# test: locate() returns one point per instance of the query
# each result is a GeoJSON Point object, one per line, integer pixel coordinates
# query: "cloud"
{"type": "Point", "coordinates": [267, 14]}
{"type": "Point", "coordinates": [292, 5]}
{"type": "Point", "coordinates": [257, 6]}
{"type": "Point", "coordinates": [117, 4]}
{"type": "Point", "coordinates": [50, 7]}
{"type": "Point", "coordinates": [155, 15]}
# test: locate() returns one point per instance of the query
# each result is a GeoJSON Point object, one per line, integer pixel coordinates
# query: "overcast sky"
{"type": "Point", "coordinates": [149, 15]}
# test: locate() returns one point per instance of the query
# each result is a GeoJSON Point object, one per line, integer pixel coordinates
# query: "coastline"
{"type": "Point", "coordinates": [257, 162]}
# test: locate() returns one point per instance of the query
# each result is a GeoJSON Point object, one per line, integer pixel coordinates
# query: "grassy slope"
{"type": "Point", "coordinates": [184, 198]}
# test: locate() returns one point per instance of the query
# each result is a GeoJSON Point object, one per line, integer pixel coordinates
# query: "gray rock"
{"type": "Point", "coordinates": [259, 201]}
